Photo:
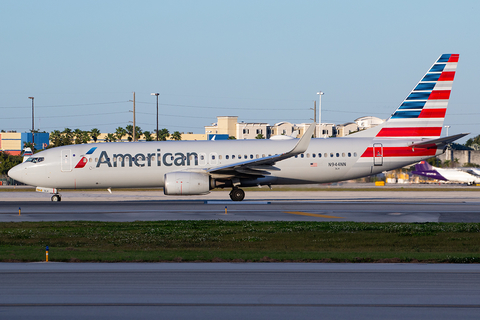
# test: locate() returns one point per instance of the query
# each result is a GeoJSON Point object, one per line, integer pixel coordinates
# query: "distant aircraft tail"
{"type": "Point", "coordinates": [422, 113]}
{"type": "Point", "coordinates": [425, 169]}
{"type": "Point", "coordinates": [27, 153]}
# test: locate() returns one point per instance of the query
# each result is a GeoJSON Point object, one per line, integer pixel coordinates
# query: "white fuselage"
{"type": "Point", "coordinates": [144, 164]}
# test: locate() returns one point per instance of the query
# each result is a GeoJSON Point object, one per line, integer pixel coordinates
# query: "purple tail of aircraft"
{"type": "Point", "coordinates": [425, 169]}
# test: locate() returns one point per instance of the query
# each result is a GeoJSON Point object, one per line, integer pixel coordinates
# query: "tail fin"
{"type": "Point", "coordinates": [422, 112]}
{"type": "Point", "coordinates": [425, 169]}
{"type": "Point", "coordinates": [27, 153]}
{"type": "Point", "coordinates": [423, 166]}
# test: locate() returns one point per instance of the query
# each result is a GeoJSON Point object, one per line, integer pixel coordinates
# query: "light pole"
{"type": "Point", "coordinates": [156, 94]}
{"type": "Point", "coordinates": [320, 94]}
{"type": "Point", "coordinates": [33, 126]}
{"type": "Point", "coordinates": [447, 129]}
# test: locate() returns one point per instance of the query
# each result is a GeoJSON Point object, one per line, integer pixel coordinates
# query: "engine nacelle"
{"type": "Point", "coordinates": [185, 183]}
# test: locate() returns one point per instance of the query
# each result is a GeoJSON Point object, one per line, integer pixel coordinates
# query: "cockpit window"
{"type": "Point", "coordinates": [35, 159]}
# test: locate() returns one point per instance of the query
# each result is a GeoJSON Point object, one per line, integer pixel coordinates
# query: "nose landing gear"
{"type": "Point", "coordinates": [56, 198]}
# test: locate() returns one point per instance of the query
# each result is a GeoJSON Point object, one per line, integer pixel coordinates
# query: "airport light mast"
{"type": "Point", "coordinates": [320, 94]}
{"type": "Point", "coordinates": [156, 94]}
{"type": "Point", "coordinates": [33, 125]}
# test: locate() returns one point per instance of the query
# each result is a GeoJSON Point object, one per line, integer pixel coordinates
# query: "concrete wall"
{"type": "Point", "coordinates": [463, 156]}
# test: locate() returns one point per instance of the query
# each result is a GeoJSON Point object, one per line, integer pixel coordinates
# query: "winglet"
{"type": "Point", "coordinates": [302, 145]}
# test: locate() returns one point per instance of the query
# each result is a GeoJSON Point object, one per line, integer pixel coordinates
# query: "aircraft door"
{"type": "Point", "coordinates": [377, 154]}
{"type": "Point", "coordinates": [66, 160]}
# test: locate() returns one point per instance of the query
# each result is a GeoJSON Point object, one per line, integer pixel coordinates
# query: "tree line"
{"type": "Point", "coordinates": [77, 136]}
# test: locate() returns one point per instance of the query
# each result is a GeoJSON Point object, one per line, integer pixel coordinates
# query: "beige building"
{"type": "Point", "coordinates": [224, 125]}
{"type": "Point", "coordinates": [346, 128]}
{"type": "Point", "coordinates": [283, 128]}
{"type": "Point", "coordinates": [252, 130]}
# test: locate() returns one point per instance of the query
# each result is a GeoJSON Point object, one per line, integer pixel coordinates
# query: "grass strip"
{"type": "Point", "coordinates": [216, 240]}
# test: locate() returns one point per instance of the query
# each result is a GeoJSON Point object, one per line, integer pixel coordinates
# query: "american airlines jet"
{"type": "Point", "coordinates": [411, 134]}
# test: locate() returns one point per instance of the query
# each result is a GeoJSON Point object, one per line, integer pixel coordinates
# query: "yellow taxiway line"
{"type": "Point", "coordinates": [313, 215]}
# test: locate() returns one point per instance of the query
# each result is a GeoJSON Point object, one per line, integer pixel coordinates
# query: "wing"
{"type": "Point", "coordinates": [262, 166]}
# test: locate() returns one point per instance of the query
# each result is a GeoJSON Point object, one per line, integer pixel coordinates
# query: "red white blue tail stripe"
{"type": "Point", "coordinates": [422, 113]}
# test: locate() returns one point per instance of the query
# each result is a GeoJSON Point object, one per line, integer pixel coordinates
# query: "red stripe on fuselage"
{"type": "Point", "coordinates": [433, 113]}
{"type": "Point", "coordinates": [401, 152]}
{"type": "Point", "coordinates": [410, 132]}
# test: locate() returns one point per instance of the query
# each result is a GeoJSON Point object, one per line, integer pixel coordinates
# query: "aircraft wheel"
{"type": "Point", "coordinates": [56, 198]}
{"type": "Point", "coordinates": [237, 194]}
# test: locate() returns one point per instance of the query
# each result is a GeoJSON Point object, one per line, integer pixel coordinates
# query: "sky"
{"type": "Point", "coordinates": [263, 61]}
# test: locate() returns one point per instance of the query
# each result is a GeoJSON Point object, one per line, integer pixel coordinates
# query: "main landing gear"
{"type": "Point", "coordinates": [237, 194]}
{"type": "Point", "coordinates": [56, 198]}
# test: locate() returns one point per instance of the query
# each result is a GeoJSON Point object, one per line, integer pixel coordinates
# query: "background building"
{"type": "Point", "coordinates": [13, 142]}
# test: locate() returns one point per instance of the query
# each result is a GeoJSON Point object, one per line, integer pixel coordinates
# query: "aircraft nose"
{"type": "Point", "coordinates": [15, 172]}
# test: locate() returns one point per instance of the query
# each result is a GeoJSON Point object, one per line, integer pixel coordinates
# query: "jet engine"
{"type": "Point", "coordinates": [185, 183]}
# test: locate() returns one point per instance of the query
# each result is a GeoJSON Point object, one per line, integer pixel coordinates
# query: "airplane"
{"type": "Point", "coordinates": [27, 153]}
{"type": "Point", "coordinates": [412, 133]}
{"type": "Point", "coordinates": [463, 175]}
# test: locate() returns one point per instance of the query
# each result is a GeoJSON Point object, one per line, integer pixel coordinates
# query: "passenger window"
{"type": "Point", "coordinates": [319, 155]}
{"type": "Point", "coordinates": [245, 156]}
{"type": "Point", "coordinates": [338, 154]}
{"type": "Point", "coordinates": [251, 156]}
{"type": "Point", "coordinates": [331, 155]}
{"type": "Point", "coordinates": [354, 154]}
{"type": "Point", "coordinates": [313, 155]}
{"type": "Point", "coordinates": [349, 154]}
{"type": "Point", "coordinates": [308, 155]}
{"type": "Point", "coordinates": [325, 155]}
{"type": "Point", "coordinates": [257, 156]}
{"type": "Point", "coordinates": [220, 157]}
{"type": "Point", "coordinates": [226, 157]}
{"type": "Point", "coordinates": [343, 154]}
{"type": "Point", "coordinates": [202, 157]}
{"type": "Point", "coordinates": [213, 157]}
{"type": "Point", "coordinates": [233, 156]}
{"type": "Point", "coordinates": [302, 155]}
{"type": "Point", "coordinates": [296, 156]}
{"type": "Point", "coordinates": [263, 155]}
{"type": "Point", "coordinates": [90, 159]}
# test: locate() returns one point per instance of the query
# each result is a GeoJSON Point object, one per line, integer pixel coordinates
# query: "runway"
{"type": "Point", "coordinates": [239, 291]}
{"type": "Point", "coordinates": [361, 206]}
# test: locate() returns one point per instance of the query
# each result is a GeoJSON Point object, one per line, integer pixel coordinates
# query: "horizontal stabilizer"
{"type": "Point", "coordinates": [440, 142]}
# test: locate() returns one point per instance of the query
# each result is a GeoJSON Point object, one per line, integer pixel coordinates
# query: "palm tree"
{"type": "Point", "coordinates": [138, 133]}
{"type": "Point", "coordinates": [85, 137]}
{"type": "Point", "coordinates": [56, 138]}
{"type": "Point", "coordinates": [67, 136]}
{"type": "Point", "coordinates": [78, 136]}
{"type": "Point", "coordinates": [176, 136]}
{"type": "Point", "coordinates": [259, 136]}
{"type": "Point", "coordinates": [110, 137]}
{"type": "Point", "coordinates": [120, 132]}
{"type": "Point", "coordinates": [163, 134]}
{"type": "Point", "coordinates": [129, 132]}
{"type": "Point", "coordinates": [94, 133]}
{"type": "Point", "coordinates": [148, 136]}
